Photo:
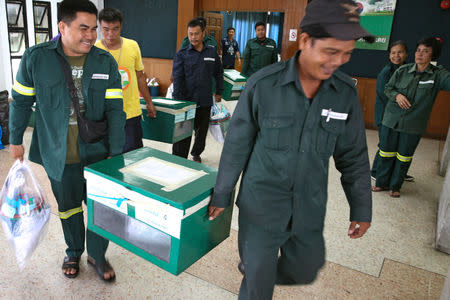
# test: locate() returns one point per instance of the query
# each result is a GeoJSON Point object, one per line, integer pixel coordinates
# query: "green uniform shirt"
{"type": "Point", "coordinates": [208, 40]}
{"type": "Point", "coordinates": [258, 54]}
{"type": "Point", "coordinates": [421, 89]}
{"type": "Point", "coordinates": [283, 144]}
{"type": "Point", "coordinates": [40, 80]}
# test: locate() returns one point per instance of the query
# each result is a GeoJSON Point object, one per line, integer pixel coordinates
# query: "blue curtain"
{"type": "Point", "coordinates": [276, 20]}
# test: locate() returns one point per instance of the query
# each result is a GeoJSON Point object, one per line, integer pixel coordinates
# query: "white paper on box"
{"type": "Point", "coordinates": [171, 176]}
{"type": "Point", "coordinates": [159, 218]}
{"type": "Point", "coordinates": [155, 213]}
{"type": "Point", "coordinates": [166, 101]}
{"type": "Point", "coordinates": [234, 75]}
{"type": "Point", "coordinates": [190, 114]}
{"type": "Point", "coordinates": [105, 192]}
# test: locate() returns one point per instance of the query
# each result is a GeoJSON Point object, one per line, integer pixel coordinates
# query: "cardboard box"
{"type": "Point", "coordinates": [174, 120]}
{"type": "Point", "coordinates": [233, 84]}
{"type": "Point", "coordinates": [154, 204]}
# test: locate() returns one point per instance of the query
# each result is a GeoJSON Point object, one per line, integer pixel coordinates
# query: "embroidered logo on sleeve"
{"type": "Point", "coordinates": [209, 59]}
{"type": "Point", "coordinates": [333, 115]}
{"type": "Point", "coordinates": [100, 76]}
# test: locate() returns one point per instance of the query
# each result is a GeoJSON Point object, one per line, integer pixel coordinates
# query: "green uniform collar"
{"type": "Point", "coordinates": [428, 70]}
{"type": "Point", "coordinates": [290, 74]}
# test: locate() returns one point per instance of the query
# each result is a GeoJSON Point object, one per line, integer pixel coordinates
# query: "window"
{"type": "Point", "coordinates": [17, 32]}
{"type": "Point", "coordinates": [42, 21]}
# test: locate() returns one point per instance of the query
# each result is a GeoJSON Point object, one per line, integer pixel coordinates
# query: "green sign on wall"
{"type": "Point", "coordinates": [376, 17]}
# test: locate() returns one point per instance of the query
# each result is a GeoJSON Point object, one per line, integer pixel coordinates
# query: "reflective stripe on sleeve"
{"type": "Point", "coordinates": [24, 90]}
{"type": "Point", "coordinates": [68, 213]}
{"type": "Point", "coordinates": [113, 94]}
{"type": "Point", "coordinates": [387, 154]}
{"type": "Point", "coordinates": [404, 158]}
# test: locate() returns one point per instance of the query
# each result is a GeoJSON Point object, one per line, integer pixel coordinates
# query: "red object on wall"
{"type": "Point", "coordinates": [445, 4]}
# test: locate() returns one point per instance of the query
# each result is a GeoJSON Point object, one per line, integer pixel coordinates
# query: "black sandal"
{"type": "Point", "coordinates": [71, 262]}
{"type": "Point", "coordinates": [101, 270]}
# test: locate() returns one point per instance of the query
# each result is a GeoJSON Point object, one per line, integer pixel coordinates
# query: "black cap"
{"type": "Point", "coordinates": [339, 18]}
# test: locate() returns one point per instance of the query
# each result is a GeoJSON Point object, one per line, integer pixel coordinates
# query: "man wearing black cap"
{"type": "Point", "coordinates": [291, 117]}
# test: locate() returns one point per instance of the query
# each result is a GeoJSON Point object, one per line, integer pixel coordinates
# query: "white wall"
{"type": "Point", "coordinates": [6, 81]}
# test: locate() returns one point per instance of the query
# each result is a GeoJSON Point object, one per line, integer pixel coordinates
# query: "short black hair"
{"type": "Point", "coordinates": [434, 43]}
{"type": "Point", "coordinates": [67, 9]}
{"type": "Point", "coordinates": [110, 14]}
{"type": "Point", "coordinates": [201, 19]}
{"type": "Point", "coordinates": [230, 28]}
{"type": "Point", "coordinates": [260, 24]}
{"type": "Point", "coordinates": [397, 43]}
{"type": "Point", "coordinates": [196, 22]}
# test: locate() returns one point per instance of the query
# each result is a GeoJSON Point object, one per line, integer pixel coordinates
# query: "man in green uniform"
{"type": "Point", "coordinates": [291, 117]}
{"type": "Point", "coordinates": [56, 143]}
{"type": "Point", "coordinates": [259, 52]}
{"type": "Point", "coordinates": [411, 91]}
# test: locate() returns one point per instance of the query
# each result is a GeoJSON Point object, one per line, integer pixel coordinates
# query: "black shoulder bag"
{"type": "Point", "coordinates": [90, 131]}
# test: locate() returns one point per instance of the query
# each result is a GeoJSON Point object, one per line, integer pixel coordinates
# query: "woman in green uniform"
{"type": "Point", "coordinates": [397, 56]}
{"type": "Point", "coordinates": [411, 91]}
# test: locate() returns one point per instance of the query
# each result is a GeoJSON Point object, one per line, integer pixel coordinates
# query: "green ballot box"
{"type": "Point", "coordinates": [155, 204]}
{"type": "Point", "coordinates": [233, 84]}
{"type": "Point", "coordinates": [174, 120]}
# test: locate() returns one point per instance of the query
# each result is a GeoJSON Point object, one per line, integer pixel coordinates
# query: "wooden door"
{"type": "Point", "coordinates": [214, 23]}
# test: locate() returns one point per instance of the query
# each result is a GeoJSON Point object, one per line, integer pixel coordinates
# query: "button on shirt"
{"type": "Point", "coordinates": [193, 72]}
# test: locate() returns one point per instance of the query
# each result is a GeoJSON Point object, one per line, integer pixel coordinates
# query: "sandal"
{"type": "Point", "coordinates": [71, 262]}
{"type": "Point", "coordinates": [394, 194]}
{"type": "Point", "coordinates": [101, 270]}
{"type": "Point", "coordinates": [379, 189]}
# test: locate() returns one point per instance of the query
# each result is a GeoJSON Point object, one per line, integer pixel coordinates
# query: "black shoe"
{"type": "Point", "coordinates": [241, 268]}
{"type": "Point", "coordinates": [197, 158]}
{"type": "Point", "coordinates": [409, 178]}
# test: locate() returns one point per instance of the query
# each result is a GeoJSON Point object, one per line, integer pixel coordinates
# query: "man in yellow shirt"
{"type": "Point", "coordinates": [127, 54]}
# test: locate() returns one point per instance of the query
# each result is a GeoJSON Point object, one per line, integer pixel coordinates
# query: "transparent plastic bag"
{"type": "Point", "coordinates": [219, 122]}
{"type": "Point", "coordinates": [24, 211]}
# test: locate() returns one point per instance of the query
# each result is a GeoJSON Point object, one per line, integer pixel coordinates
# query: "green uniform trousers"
{"type": "Point", "coordinates": [302, 255]}
{"type": "Point", "coordinates": [396, 152]}
{"type": "Point", "coordinates": [70, 192]}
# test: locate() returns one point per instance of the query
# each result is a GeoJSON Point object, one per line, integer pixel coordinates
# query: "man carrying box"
{"type": "Point", "coordinates": [290, 119]}
{"type": "Point", "coordinates": [56, 144]}
{"type": "Point", "coordinates": [127, 54]}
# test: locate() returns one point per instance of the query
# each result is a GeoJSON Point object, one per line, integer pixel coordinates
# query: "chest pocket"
{"type": "Point", "coordinates": [95, 102]}
{"type": "Point", "coordinates": [209, 63]}
{"type": "Point", "coordinates": [276, 132]}
{"type": "Point", "coordinates": [327, 134]}
{"type": "Point", "coordinates": [50, 93]}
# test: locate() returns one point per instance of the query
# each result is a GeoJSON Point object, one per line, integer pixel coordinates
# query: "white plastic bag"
{"type": "Point", "coordinates": [219, 122]}
{"type": "Point", "coordinates": [24, 211]}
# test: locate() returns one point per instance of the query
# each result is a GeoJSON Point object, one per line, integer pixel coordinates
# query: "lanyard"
{"type": "Point", "coordinates": [109, 50]}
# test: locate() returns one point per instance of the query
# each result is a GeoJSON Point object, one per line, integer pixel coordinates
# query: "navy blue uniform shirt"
{"type": "Point", "coordinates": [193, 72]}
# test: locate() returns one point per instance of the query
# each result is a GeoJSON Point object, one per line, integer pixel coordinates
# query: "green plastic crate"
{"type": "Point", "coordinates": [165, 223]}
{"type": "Point", "coordinates": [174, 120]}
{"type": "Point", "coordinates": [233, 84]}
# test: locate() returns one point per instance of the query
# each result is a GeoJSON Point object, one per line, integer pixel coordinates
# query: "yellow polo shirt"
{"type": "Point", "coordinates": [129, 59]}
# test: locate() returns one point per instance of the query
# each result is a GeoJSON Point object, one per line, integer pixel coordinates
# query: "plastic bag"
{"type": "Point", "coordinates": [24, 211]}
{"type": "Point", "coordinates": [219, 122]}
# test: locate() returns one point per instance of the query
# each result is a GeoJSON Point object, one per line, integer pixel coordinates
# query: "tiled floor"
{"type": "Point", "coordinates": [395, 260]}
